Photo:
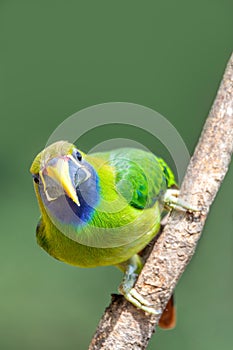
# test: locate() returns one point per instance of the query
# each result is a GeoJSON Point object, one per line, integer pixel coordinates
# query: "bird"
{"type": "Point", "coordinates": [103, 208]}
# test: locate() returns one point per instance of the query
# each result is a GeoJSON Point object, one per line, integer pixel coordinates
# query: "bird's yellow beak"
{"type": "Point", "coordinates": [60, 173]}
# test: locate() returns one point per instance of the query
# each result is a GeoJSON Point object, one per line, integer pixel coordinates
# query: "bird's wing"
{"type": "Point", "coordinates": [139, 176]}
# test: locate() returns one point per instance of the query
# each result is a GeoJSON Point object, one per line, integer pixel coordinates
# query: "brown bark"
{"type": "Point", "coordinates": [125, 327]}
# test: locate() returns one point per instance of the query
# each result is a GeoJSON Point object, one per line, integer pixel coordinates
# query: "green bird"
{"type": "Point", "coordinates": [102, 208]}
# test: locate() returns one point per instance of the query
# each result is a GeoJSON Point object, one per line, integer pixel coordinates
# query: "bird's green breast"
{"type": "Point", "coordinates": [135, 238]}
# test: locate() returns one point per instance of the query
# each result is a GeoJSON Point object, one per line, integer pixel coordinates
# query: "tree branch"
{"type": "Point", "coordinates": [125, 327]}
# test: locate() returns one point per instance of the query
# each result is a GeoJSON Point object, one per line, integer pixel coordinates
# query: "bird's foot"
{"type": "Point", "coordinates": [171, 200]}
{"type": "Point", "coordinates": [132, 269]}
{"type": "Point", "coordinates": [137, 300]}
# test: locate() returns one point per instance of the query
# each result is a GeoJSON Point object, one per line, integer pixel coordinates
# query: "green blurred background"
{"type": "Point", "coordinates": [58, 57]}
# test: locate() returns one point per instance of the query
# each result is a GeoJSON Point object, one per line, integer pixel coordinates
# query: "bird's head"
{"type": "Point", "coordinates": [62, 179]}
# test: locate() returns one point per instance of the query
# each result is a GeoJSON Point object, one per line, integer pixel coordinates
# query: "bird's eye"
{"type": "Point", "coordinates": [78, 155]}
{"type": "Point", "coordinates": [36, 178]}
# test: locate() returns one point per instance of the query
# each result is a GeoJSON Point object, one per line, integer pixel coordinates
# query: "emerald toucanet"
{"type": "Point", "coordinates": [102, 208]}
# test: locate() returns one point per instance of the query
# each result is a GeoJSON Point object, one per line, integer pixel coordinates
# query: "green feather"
{"type": "Point", "coordinates": [130, 197]}
{"type": "Point", "coordinates": [132, 183]}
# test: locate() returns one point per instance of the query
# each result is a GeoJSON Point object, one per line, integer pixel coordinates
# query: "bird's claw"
{"type": "Point", "coordinates": [137, 300]}
{"type": "Point", "coordinates": [171, 200]}
{"type": "Point", "coordinates": [126, 288]}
